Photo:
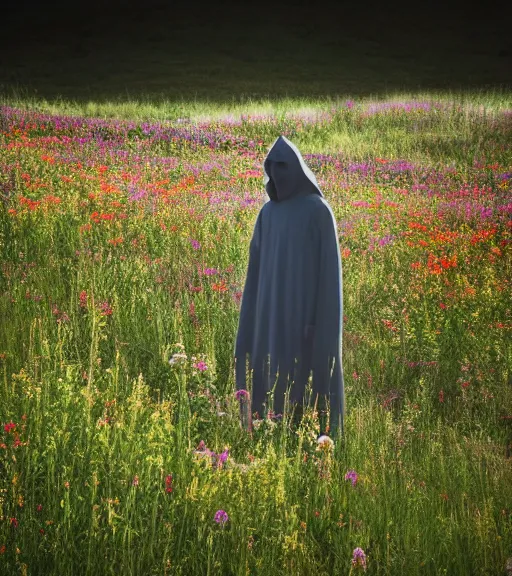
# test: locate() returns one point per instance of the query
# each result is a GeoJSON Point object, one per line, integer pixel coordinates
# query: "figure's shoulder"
{"type": "Point", "coordinates": [266, 207]}
{"type": "Point", "coordinates": [320, 207]}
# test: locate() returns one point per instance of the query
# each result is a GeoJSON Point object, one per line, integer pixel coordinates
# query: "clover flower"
{"type": "Point", "coordinates": [221, 517]}
{"type": "Point", "coordinates": [241, 394]}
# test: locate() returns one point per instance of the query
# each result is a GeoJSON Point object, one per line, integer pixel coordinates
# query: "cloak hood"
{"type": "Point", "coordinates": [286, 174]}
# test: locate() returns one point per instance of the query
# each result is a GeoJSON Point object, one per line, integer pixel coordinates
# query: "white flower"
{"type": "Point", "coordinates": [324, 441]}
{"type": "Point", "coordinates": [178, 358]}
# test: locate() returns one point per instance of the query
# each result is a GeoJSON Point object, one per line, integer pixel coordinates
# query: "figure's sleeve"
{"type": "Point", "coordinates": [245, 335]}
{"type": "Point", "coordinates": [327, 358]}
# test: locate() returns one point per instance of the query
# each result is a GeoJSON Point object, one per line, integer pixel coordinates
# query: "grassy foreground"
{"type": "Point", "coordinates": [124, 246]}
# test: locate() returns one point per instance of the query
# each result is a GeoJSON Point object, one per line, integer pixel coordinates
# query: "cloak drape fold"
{"type": "Point", "coordinates": [290, 323]}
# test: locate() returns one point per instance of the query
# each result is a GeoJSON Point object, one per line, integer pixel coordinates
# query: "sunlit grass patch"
{"type": "Point", "coordinates": [124, 230]}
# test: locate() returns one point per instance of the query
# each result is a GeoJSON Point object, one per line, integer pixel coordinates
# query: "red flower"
{"type": "Point", "coordinates": [168, 483]}
{"type": "Point", "coordinates": [9, 426]}
{"type": "Point", "coordinates": [83, 299]}
{"type": "Point", "coordinates": [105, 308]}
{"type": "Point", "coordinates": [220, 287]}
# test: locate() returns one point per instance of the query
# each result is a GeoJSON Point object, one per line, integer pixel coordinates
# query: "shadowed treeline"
{"type": "Point", "coordinates": [222, 52]}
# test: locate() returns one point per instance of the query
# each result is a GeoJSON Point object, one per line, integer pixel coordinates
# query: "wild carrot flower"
{"type": "Point", "coordinates": [325, 442]}
{"type": "Point", "coordinates": [352, 476]}
{"type": "Point", "coordinates": [178, 358]}
{"type": "Point", "coordinates": [221, 517]}
{"type": "Point", "coordinates": [359, 558]}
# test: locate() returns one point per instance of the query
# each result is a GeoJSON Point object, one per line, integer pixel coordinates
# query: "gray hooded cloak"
{"type": "Point", "coordinates": [291, 315]}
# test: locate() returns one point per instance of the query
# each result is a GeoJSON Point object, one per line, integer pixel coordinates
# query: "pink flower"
{"type": "Point", "coordinates": [352, 476]}
{"type": "Point", "coordinates": [359, 558]}
{"type": "Point", "coordinates": [201, 366]}
{"type": "Point", "coordinates": [221, 517]}
{"type": "Point", "coordinates": [105, 308]}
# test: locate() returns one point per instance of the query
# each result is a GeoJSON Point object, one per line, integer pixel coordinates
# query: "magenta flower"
{"type": "Point", "coordinates": [195, 244]}
{"type": "Point", "coordinates": [221, 517]}
{"type": "Point", "coordinates": [359, 558]}
{"type": "Point", "coordinates": [221, 458]}
{"type": "Point", "coordinates": [352, 476]}
{"type": "Point", "coordinates": [241, 394]}
{"type": "Point", "coordinates": [201, 366]}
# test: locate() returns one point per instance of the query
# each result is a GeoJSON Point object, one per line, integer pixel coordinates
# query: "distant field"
{"type": "Point", "coordinates": [124, 231]}
{"type": "Point", "coordinates": [229, 53]}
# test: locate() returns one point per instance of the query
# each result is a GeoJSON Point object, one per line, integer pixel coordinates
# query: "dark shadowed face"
{"type": "Point", "coordinates": [279, 173]}
{"type": "Point", "coordinates": [285, 177]}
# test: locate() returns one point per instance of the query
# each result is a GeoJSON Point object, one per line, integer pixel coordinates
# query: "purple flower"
{"type": "Point", "coordinates": [195, 244]}
{"type": "Point", "coordinates": [359, 558]}
{"type": "Point", "coordinates": [241, 394]}
{"type": "Point", "coordinates": [201, 366]}
{"type": "Point", "coordinates": [136, 195]}
{"type": "Point", "coordinates": [221, 517]}
{"type": "Point", "coordinates": [352, 476]}
{"type": "Point", "coordinates": [222, 457]}
{"type": "Point", "coordinates": [386, 240]}
{"type": "Point", "coordinates": [210, 271]}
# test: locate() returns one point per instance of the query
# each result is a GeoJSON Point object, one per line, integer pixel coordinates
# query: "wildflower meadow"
{"type": "Point", "coordinates": [124, 236]}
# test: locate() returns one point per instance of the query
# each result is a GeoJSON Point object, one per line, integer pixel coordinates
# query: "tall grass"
{"type": "Point", "coordinates": [124, 248]}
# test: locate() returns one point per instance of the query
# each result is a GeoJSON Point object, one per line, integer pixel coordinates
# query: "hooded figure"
{"type": "Point", "coordinates": [291, 315]}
